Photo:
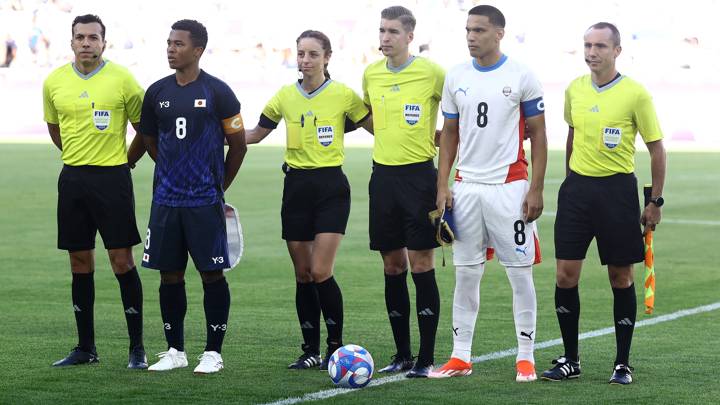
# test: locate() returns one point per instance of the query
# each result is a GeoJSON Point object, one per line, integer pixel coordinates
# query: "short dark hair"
{"type": "Point", "coordinates": [324, 42]}
{"type": "Point", "coordinates": [198, 32]}
{"type": "Point", "coordinates": [400, 13]}
{"type": "Point", "coordinates": [88, 19]}
{"type": "Point", "coordinates": [613, 29]}
{"type": "Point", "coordinates": [494, 15]}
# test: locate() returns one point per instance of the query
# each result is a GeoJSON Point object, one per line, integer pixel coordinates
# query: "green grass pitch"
{"type": "Point", "coordinates": [674, 361]}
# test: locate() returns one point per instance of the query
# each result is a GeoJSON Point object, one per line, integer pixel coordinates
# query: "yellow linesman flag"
{"type": "Point", "coordinates": [649, 273]}
{"type": "Point", "coordinates": [649, 260]}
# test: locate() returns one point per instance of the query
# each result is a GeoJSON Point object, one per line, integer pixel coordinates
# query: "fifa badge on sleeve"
{"type": "Point", "coordinates": [234, 236]}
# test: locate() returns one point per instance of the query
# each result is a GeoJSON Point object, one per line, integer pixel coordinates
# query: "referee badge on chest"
{"type": "Point", "coordinates": [412, 113]}
{"type": "Point", "coordinates": [101, 119]}
{"type": "Point", "coordinates": [611, 137]}
{"type": "Point", "coordinates": [325, 135]}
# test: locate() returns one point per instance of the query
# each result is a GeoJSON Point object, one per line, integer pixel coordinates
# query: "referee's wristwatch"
{"type": "Point", "coordinates": [658, 201]}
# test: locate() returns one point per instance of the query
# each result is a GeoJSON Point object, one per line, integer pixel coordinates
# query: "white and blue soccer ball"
{"type": "Point", "coordinates": [351, 366]}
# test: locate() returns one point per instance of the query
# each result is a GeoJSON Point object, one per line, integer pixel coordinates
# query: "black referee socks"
{"type": "Point", "coordinates": [427, 302]}
{"type": "Point", "coordinates": [132, 299]}
{"type": "Point", "coordinates": [307, 305]}
{"type": "Point", "coordinates": [625, 312]}
{"type": "Point", "coordinates": [173, 306]}
{"type": "Point", "coordinates": [217, 309]}
{"type": "Point", "coordinates": [567, 308]}
{"type": "Point", "coordinates": [331, 303]}
{"type": "Point", "coordinates": [83, 299]}
{"type": "Point", "coordinates": [397, 302]}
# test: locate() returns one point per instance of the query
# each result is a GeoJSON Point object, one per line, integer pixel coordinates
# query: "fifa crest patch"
{"type": "Point", "coordinates": [611, 137]}
{"type": "Point", "coordinates": [200, 103]}
{"type": "Point", "coordinates": [412, 113]}
{"type": "Point", "coordinates": [325, 135]}
{"type": "Point", "coordinates": [101, 119]}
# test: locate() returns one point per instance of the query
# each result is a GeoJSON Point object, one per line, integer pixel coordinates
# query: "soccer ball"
{"type": "Point", "coordinates": [351, 366]}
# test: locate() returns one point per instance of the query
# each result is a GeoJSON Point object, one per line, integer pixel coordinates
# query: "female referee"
{"type": "Point", "coordinates": [316, 194]}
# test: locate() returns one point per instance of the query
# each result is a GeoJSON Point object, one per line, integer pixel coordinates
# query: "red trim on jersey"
{"type": "Point", "coordinates": [518, 170]}
{"type": "Point", "coordinates": [538, 255]}
{"type": "Point", "coordinates": [458, 177]}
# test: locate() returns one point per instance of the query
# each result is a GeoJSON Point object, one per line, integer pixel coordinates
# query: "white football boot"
{"type": "Point", "coordinates": [169, 360]}
{"type": "Point", "coordinates": [210, 362]}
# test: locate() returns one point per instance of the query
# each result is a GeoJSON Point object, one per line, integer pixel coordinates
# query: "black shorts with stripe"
{"type": "Point", "coordinates": [314, 201]}
{"type": "Point", "coordinates": [604, 208]}
{"type": "Point", "coordinates": [400, 199]}
{"type": "Point", "coordinates": [92, 199]}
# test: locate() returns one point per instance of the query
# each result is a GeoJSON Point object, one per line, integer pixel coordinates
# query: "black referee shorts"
{"type": "Point", "coordinates": [96, 198]}
{"type": "Point", "coordinates": [604, 208]}
{"type": "Point", "coordinates": [400, 199]}
{"type": "Point", "coordinates": [314, 201]}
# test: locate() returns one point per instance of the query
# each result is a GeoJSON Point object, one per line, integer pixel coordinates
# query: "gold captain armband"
{"type": "Point", "coordinates": [233, 124]}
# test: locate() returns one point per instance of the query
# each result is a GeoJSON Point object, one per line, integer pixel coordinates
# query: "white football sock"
{"type": "Point", "coordinates": [466, 302]}
{"type": "Point", "coordinates": [524, 310]}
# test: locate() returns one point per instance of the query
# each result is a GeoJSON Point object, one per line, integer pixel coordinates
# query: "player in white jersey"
{"type": "Point", "coordinates": [487, 104]}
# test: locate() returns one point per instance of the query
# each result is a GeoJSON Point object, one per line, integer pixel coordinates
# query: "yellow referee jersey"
{"type": "Point", "coordinates": [315, 122]}
{"type": "Point", "coordinates": [93, 111]}
{"type": "Point", "coordinates": [404, 103]}
{"type": "Point", "coordinates": [606, 121]}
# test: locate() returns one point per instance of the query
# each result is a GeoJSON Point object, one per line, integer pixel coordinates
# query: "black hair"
{"type": "Point", "coordinates": [400, 13]}
{"type": "Point", "coordinates": [88, 19]}
{"type": "Point", "coordinates": [494, 15]}
{"type": "Point", "coordinates": [613, 29]}
{"type": "Point", "coordinates": [324, 42]}
{"type": "Point", "coordinates": [198, 32]}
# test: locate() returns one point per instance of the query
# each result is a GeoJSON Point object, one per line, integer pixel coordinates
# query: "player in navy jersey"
{"type": "Point", "coordinates": [186, 118]}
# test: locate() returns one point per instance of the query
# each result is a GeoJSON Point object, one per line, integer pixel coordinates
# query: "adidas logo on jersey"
{"type": "Point", "coordinates": [330, 322]}
{"type": "Point", "coordinates": [76, 308]}
{"type": "Point", "coordinates": [394, 314]}
{"type": "Point", "coordinates": [595, 109]}
{"type": "Point", "coordinates": [306, 325]}
{"type": "Point", "coordinates": [395, 88]}
{"type": "Point", "coordinates": [131, 311]}
{"type": "Point", "coordinates": [84, 95]}
{"type": "Point", "coordinates": [562, 310]}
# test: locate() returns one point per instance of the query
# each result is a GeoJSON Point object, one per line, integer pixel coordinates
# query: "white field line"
{"type": "Point", "coordinates": [666, 220]}
{"type": "Point", "coordinates": [325, 394]}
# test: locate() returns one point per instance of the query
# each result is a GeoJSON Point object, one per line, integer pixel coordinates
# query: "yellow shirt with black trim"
{"type": "Point", "coordinates": [606, 121]}
{"type": "Point", "coordinates": [315, 122]}
{"type": "Point", "coordinates": [404, 103]}
{"type": "Point", "coordinates": [92, 111]}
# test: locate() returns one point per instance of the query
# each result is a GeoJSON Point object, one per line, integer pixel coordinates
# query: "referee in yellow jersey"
{"type": "Point", "coordinates": [87, 105]}
{"type": "Point", "coordinates": [403, 92]}
{"type": "Point", "coordinates": [599, 197]}
{"type": "Point", "coordinates": [316, 194]}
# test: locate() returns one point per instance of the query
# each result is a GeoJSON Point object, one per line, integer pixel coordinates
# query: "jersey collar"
{"type": "Point", "coordinates": [608, 86]}
{"type": "Point", "coordinates": [314, 92]}
{"type": "Point", "coordinates": [492, 67]}
{"type": "Point", "coordinates": [89, 75]}
{"type": "Point", "coordinates": [401, 67]}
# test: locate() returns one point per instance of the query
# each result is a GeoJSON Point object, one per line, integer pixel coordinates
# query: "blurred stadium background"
{"type": "Point", "coordinates": [672, 48]}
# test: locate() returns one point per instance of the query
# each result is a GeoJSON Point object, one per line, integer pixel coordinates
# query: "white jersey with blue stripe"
{"type": "Point", "coordinates": [491, 104]}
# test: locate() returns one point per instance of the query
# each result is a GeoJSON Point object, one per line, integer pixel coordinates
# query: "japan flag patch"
{"type": "Point", "coordinates": [200, 103]}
